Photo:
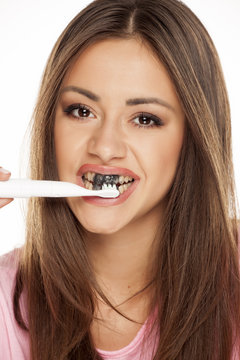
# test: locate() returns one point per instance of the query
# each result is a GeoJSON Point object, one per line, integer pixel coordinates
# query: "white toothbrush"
{"type": "Point", "coordinates": [25, 188]}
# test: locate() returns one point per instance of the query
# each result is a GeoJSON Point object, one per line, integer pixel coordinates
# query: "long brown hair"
{"type": "Point", "coordinates": [196, 269]}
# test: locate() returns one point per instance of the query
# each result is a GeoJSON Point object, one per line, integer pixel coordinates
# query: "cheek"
{"type": "Point", "coordinates": [67, 153]}
{"type": "Point", "coordinates": [163, 159]}
{"type": "Point", "coordinates": [61, 147]}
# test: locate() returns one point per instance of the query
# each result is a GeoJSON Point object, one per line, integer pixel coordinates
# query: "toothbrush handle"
{"type": "Point", "coordinates": [25, 188]}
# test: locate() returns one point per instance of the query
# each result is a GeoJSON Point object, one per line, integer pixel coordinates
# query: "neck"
{"type": "Point", "coordinates": [122, 261]}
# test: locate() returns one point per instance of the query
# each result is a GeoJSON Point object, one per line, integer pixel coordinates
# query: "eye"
{"type": "Point", "coordinates": [79, 111]}
{"type": "Point", "coordinates": [145, 120]}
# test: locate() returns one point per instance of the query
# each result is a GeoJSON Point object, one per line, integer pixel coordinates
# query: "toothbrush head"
{"type": "Point", "coordinates": [108, 193]}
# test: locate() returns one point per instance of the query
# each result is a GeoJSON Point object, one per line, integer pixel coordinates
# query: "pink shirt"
{"type": "Point", "coordinates": [14, 342]}
{"type": "Point", "coordinates": [138, 348]}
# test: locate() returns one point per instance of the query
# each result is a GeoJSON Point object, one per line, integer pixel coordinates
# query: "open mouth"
{"type": "Point", "coordinates": [95, 181]}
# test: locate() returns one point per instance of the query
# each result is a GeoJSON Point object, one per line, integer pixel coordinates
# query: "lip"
{"type": "Point", "coordinates": [107, 170]}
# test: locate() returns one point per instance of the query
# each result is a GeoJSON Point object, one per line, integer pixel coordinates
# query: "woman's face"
{"type": "Point", "coordinates": [118, 114]}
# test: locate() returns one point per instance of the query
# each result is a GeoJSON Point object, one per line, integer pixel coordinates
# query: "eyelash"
{"type": "Point", "coordinates": [157, 122]}
{"type": "Point", "coordinates": [73, 107]}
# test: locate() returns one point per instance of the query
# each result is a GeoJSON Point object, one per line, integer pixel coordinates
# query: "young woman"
{"type": "Point", "coordinates": [132, 96]}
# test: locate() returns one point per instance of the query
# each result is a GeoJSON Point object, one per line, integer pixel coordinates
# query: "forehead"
{"type": "Point", "coordinates": [117, 57]}
{"type": "Point", "coordinates": [117, 69]}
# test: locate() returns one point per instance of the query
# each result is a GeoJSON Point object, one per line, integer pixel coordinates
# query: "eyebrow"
{"type": "Point", "coordinates": [130, 102]}
{"type": "Point", "coordinates": [82, 91]}
{"type": "Point", "coordinates": [150, 100]}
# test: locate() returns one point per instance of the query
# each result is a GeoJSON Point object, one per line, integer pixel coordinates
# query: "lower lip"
{"type": "Point", "coordinates": [95, 200]}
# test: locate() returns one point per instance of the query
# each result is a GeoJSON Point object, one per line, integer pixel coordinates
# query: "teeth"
{"type": "Point", "coordinates": [88, 185]}
{"type": "Point", "coordinates": [121, 188]}
{"type": "Point", "coordinates": [121, 179]}
{"type": "Point", "coordinates": [111, 181]}
{"type": "Point", "coordinates": [124, 187]}
{"type": "Point", "coordinates": [90, 176]}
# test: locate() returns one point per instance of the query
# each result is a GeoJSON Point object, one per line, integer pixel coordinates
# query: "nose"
{"type": "Point", "coordinates": [107, 143]}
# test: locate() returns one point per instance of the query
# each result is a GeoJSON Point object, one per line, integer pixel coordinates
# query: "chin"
{"type": "Point", "coordinates": [101, 230]}
{"type": "Point", "coordinates": [100, 227]}
{"type": "Point", "coordinates": [99, 222]}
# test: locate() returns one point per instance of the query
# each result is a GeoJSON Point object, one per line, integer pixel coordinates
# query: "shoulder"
{"type": "Point", "coordinates": [13, 340]}
{"type": "Point", "coordinates": [8, 268]}
{"type": "Point", "coordinates": [9, 261]}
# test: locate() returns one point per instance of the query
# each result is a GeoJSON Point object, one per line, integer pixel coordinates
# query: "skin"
{"type": "Point", "coordinates": [4, 176]}
{"type": "Point", "coordinates": [120, 238]}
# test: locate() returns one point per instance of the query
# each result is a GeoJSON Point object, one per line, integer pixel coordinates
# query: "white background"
{"type": "Point", "coordinates": [28, 31]}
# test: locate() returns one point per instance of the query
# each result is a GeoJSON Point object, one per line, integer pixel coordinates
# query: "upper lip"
{"type": "Point", "coordinates": [106, 170]}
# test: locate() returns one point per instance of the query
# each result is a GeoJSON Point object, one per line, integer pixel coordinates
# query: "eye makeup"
{"type": "Point", "coordinates": [78, 111]}
{"type": "Point", "coordinates": [144, 120]}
